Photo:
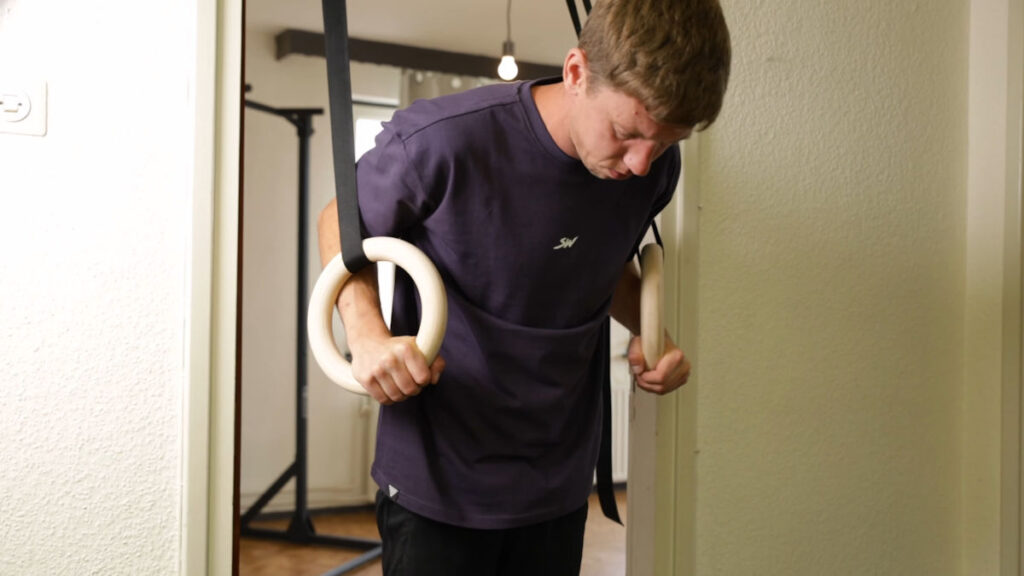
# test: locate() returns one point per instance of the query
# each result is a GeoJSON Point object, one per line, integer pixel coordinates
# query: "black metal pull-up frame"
{"type": "Point", "coordinates": [301, 529]}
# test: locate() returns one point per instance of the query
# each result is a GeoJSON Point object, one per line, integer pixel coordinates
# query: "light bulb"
{"type": "Point", "coordinates": [507, 68]}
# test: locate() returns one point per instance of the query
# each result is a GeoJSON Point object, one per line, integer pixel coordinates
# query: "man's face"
{"type": "Point", "coordinates": [615, 137]}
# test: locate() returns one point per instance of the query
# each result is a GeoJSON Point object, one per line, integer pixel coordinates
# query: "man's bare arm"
{"type": "Point", "coordinates": [390, 368]}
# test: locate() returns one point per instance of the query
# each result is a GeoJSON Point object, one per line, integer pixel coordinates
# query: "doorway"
{"type": "Point", "coordinates": [347, 486]}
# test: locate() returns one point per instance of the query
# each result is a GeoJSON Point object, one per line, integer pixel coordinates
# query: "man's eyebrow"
{"type": "Point", "coordinates": [628, 133]}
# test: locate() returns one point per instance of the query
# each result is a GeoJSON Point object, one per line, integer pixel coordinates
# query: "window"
{"type": "Point", "coordinates": [368, 119]}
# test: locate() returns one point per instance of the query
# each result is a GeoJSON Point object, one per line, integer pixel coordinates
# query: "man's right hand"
{"type": "Point", "coordinates": [393, 369]}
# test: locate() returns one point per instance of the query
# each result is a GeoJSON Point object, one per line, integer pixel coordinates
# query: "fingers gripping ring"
{"type": "Point", "coordinates": [322, 302]}
{"type": "Point", "coordinates": [652, 297]}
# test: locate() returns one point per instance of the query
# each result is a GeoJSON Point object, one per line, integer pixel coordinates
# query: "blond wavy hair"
{"type": "Point", "coordinates": [671, 55]}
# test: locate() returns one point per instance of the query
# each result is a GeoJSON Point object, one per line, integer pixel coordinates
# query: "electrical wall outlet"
{"type": "Point", "coordinates": [23, 108]}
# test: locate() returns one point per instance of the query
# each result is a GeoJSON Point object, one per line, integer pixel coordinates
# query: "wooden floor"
{"type": "Point", "coordinates": [604, 546]}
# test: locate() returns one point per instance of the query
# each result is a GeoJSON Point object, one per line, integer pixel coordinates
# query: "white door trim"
{"type": "Point", "coordinates": [198, 350]}
{"type": "Point", "coordinates": [661, 497]}
{"type": "Point", "coordinates": [1012, 521]}
{"type": "Point", "coordinates": [207, 510]}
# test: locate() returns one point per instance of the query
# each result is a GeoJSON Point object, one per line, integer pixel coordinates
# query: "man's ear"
{"type": "Point", "coordinates": [575, 71]}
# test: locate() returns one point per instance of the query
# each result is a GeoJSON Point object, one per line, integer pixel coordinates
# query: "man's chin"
{"type": "Point", "coordinates": [607, 174]}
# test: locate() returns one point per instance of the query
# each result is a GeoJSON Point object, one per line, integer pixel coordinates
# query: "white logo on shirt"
{"type": "Point", "coordinates": [566, 243]}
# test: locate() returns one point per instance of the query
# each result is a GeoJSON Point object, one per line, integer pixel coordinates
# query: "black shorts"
{"type": "Point", "coordinates": [418, 546]}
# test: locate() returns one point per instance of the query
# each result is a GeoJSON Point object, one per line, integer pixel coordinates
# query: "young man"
{"type": "Point", "coordinates": [530, 199]}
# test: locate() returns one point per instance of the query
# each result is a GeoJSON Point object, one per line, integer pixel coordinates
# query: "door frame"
{"type": "Point", "coordinates": [208, 506]}
{"type": "Point", "coordinates": [662, 512]}
{"type": "Point", "coordinates": [661, 495]}
{"type": "Point", "coordinates": [1012, 481]}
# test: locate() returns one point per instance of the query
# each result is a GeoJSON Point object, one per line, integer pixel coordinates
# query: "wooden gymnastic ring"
{"type": "Point", "coordinates": [652, 305]}
{"type": "Point", "coordinates": [322, 302]}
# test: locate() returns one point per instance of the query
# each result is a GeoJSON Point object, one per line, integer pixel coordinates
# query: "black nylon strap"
{"type": "Point", "coordinates": [657, 239]}
{"type": "Point", "coordinates": [574, 15]}
{"type": "Point", "coordinates": [605, 487]}
{"type": "Point", "coordinates": [339, 88]}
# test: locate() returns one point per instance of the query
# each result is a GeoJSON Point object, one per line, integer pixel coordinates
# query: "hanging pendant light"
{"type": "Point", "coordinates": [507, 68]}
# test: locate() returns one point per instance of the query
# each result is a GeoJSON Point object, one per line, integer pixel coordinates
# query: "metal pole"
{"type": "Point", "coordinates": [301, 522]}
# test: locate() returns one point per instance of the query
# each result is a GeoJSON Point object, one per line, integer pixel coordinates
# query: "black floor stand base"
{"type": "Point", "coordinates": [301, 530]}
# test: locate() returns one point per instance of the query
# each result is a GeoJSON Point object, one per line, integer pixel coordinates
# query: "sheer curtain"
{"type": "Point", "coordinates": [418, 84]}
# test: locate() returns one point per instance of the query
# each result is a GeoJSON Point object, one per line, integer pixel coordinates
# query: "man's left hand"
{"type": "Point", "coordinates": [671, 371]}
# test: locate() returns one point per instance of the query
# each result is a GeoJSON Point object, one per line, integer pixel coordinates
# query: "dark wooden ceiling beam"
{"type": "Point", "coordinates": [369, 51]}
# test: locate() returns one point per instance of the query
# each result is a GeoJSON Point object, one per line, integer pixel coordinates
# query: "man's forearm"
{"type": "Point", "coordinates": [359, 299]}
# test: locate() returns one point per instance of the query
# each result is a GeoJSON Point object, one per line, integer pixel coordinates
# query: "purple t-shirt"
{"type": "Point", "coordinates": [530, 246]}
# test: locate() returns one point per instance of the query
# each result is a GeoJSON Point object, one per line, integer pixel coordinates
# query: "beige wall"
{"type": "Point", "coordinates": [831, 315]}
{"type": "Point", "coordinates": [848, 402]}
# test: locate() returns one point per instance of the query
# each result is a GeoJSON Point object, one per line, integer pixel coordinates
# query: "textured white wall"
{"type": "Point", "coordinates": [93, 221]}
{"type": "Point", "coordinates": [832, 263]}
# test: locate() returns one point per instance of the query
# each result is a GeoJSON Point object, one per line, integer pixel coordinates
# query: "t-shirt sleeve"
{"type": "Point", "coordinates": [392, 198]}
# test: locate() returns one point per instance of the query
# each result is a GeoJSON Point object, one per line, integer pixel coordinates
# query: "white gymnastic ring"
{"type": "Point", "coordinates": [322, 302]}
{"type": "Point", "coordinates": [652, 300]}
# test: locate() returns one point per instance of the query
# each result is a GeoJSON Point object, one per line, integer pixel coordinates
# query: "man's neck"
{"type": "Point", "coordinates": [552, 105]}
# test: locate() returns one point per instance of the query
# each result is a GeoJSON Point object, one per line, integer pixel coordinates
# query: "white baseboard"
{"type": "Point", "coordinates": [316, 498]}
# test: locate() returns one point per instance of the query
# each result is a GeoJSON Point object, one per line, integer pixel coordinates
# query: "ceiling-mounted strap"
{"type": "Point", "coordinates": [575, 15]}
{"type": "Point", "coordinates": [605, 483]}
{"type": "Point", "coordinates": [339, 88]}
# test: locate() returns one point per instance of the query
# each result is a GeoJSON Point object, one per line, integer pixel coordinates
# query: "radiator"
{"type": "Point", "coordinates": [620, 433]}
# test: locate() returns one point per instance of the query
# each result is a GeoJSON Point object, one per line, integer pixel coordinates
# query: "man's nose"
{"type": "Point", "coordinates": [639, 157]}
